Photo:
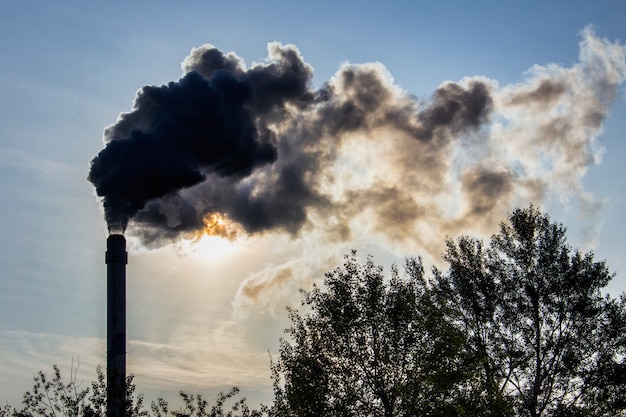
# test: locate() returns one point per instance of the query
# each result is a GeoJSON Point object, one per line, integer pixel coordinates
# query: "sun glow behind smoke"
{"type": "Point", "coordinates": [212, 247]}
{"type": "Point", "coordinates": [218, 225]}
{"type": "Point", "coordinates": [217, 239]}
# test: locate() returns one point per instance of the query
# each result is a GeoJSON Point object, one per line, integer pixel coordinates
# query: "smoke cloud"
{"type": "Point", "coordinates": [264, 149]}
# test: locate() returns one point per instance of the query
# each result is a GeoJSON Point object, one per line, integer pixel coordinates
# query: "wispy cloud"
{"type": "Point", "coordinates": [199, 360]}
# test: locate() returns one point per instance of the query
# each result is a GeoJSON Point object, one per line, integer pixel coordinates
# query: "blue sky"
{"type": "Point", "coordinates": [67, 70]}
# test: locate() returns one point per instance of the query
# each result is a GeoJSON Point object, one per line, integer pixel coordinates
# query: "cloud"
{"type": "Point", "coordinates": [207, 361]}
{"type": "Point", "coordinates": [20, 351]}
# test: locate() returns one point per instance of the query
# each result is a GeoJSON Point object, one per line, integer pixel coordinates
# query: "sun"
{"type": "Point", "coordinates": [217, 224]}
{"type": "Point", "coordinates": [212, 247]}
{"type": "Point", "coordinates": [217, 239]}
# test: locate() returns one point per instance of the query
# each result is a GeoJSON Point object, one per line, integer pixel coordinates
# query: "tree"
{"type": "Point", "coordinates": [367, 346]}
{"type": "Point", "coordinates": [53, 397]}
{"type": "Point", "coordinates": [532, 310]}
{"type": "Point", "coordinates": [196, 406]}
{"type": "Point", "coordinates": [56, 398]}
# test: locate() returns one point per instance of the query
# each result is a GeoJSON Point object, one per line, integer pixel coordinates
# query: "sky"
{"type": "Point", "coordinates": [383, 127]}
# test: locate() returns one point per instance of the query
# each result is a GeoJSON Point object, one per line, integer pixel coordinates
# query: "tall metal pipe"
{"type": "Point", "coordinates": [116, 260]}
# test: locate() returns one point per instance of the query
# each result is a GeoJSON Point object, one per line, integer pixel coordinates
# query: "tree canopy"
{"type": "Point", "coordinates": [368, 346]}
{"type": "Point", "coordinates": [547, 340]}
{"type": "Point", "coordinates": [516, 327]}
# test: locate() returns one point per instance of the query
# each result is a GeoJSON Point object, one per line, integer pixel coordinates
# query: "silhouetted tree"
{"type": "Point", "coordinates": [53, 397]}
{"type": "Point", "coordinates": [56, 398]}
{"type": "Point", "coordinates": [196, 406]}
{"type": "Point", "coordinates": [532, 310]}
{"type": "Point", "coordinates": [367, 346]}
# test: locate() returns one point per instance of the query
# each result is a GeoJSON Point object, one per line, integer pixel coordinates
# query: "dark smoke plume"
{"type": "Point", "coordinates": [219, 123]}
{"type": "Point", "coordinates": [261, 149]}
{"type": "Point", "coordinates": [178, 134]}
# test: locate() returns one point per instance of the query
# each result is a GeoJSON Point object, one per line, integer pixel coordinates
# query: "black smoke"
{"type": "Point", "coordinates": [254, 144]}
{"type": "Point", "coordinates": [179, 133]}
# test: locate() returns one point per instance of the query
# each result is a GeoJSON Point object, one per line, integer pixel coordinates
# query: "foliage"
{"type": "Point", "coordinates": [518, 327]}
{"type": "Point", "coordinates": [196, 406]}
{"type": "Point", "coordinates": [547, 341]}
{"type": "Point", "coordinates": [372, 347]}
{"type": "Point", "coordinates": [56, 398]}
{"type": "Point", "coordinates": [52, 397]}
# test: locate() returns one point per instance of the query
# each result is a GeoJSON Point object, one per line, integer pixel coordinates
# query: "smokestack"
{"type": "Point", "coordinates": [116, 259]}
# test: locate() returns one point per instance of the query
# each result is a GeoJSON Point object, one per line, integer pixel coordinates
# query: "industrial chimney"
{"type": "Point", "coordinates": [116, 259]}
